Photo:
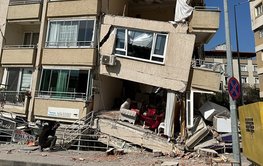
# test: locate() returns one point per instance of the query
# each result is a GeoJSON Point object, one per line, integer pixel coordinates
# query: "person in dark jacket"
{"type": "Point", "coordinates": [47, 137]}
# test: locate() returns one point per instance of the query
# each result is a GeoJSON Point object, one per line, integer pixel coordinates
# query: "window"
{"type": "Point", "coordinates": [243, 68]}
{"type": "Point", "coordinates": [77, 33]}
{"type": "Point", "coordinates": [64, 83]}
{"type": "Point", "coordinates": [17, 81]}
{"type": "Point", "coordinates": [30, 39]}
{"type": "Point", "coordinates": [260, 33]}
{"type": "Point", "coordinates": [147, 46]}
{"type": "Point", "coordinates": [244, 80]}
{"type": "Point", "coordinates": [255, 68]}
{"type": "Point", "coordinates": [258, 10]}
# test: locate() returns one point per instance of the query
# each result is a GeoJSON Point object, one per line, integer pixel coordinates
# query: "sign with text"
{"type": "Point", "coordinates": [63, 112]}
{"type": "Point", "coordinates": [21, 136]}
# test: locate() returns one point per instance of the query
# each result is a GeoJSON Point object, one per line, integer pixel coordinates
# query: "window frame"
{"type": "Point", "coordinates": [93, 40]}
{"type": "Point", "coordinates": [31, 39]}
{"type": "Point", "coordinates": [125, 49]}
{"type": "Point", "coordinates": [88, 86]}
{"type": "Point", "coordinates": [260, 7]}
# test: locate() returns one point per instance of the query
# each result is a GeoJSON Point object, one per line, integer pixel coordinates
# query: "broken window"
{"type": "Point", "coordinates": [69, 84]}
{"type": "Point", "coordinates": [77, 33]}
{"type": "Point", "coordinates": [137, 44]}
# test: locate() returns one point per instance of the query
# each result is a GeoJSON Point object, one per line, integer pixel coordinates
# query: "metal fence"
{"type": "Point", "coordinates": [61, 95]}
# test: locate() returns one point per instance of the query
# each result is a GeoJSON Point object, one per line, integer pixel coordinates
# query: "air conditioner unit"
{"type": "Point", "coordinates": [109, 60]}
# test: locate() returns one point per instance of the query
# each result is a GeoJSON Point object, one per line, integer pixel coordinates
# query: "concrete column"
{"type": "Point", "coordinates": [37, 71]}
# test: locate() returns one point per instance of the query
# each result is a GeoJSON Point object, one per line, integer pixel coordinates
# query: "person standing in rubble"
{"type": "Point", "coordinates": [47, 137]}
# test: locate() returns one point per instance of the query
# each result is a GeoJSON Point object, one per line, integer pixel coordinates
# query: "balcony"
{"type": "Point", "coordinates": [204, 23]}
{"type": "Point", "coordinates": [13, 101]}
{"type": "Point", "coordinates": [63, 8]}
{"type": "Point", "coordinates": [206, 76]}
{"type": "Point", "coordinates": [24, 10]}
{"type": "Point", "coordinates": [18, 55]}
{"type": "Point", "coordinates": [64, 110]}
{"type": "Point", "coordinates": [69, 56]}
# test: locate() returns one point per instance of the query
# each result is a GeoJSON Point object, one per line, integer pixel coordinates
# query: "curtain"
{"type": "Point", "coordinates": [68, 35]}
{"type": "Point", "coordinates": [182, 10]}
{"type": "Point", "coordinates": [62, 81]}
{"type": "Point", "coordinates": [53, 33]}
{"type": "Point", "coordinates": [169, 113]}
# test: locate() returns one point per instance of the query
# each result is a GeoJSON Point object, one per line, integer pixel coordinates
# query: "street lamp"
{"type": "Point", "coordinates": [238, 55]}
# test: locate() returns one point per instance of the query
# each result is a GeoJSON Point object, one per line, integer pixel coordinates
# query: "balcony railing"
{"type": "Point", "coordinates": [73, 44]}
{"type": "Point", "coordinates": [199, 63]}
{"type": "Point", "coordinates": [22, 2]}
{"type": "Point", "coordinates": [12, 98]}
{"type": "Point", "coordinates": [19, 46]}
{"type": "Point", "coordinates": [61, 95]}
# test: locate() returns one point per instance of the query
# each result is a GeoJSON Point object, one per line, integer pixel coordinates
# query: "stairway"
{"type": "Point", "coordinates": [81, 135]}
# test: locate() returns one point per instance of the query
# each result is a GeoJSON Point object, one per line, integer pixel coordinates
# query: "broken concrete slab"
{"type": "Point", "coordinates": [134, 134]}
{"type": "Point", "coordinates": [207, 143]}
{"type": "Point", "coordinates": [210, 109]}
{"type": "Point", "coordinates": [170, 163]}
{"type": "Point", "coordinates": [204, 152]}
{"type": "Point", "coordinates": [199, 131]}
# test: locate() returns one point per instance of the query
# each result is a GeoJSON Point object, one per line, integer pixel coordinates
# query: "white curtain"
{"type": "Point", "coordinates": [53, 33]}
{"type": "Point", "coordinates": [182, 10]}
{"type": "Point", "coordinates": [68, 33]}
{"type": "Point", "coordinates": [169, 114]}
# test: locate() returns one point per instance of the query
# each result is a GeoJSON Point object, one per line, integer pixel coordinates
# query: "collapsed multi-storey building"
{"type": "Point", "coordinates": [61, 59]}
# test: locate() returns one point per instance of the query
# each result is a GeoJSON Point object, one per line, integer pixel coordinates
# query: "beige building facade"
{"type": "Point", "coordinates": [256, 12]}
{"type": "Point", "coordinates": [248, 67]}
{"type": "Point", "coordinates": [60, 56]}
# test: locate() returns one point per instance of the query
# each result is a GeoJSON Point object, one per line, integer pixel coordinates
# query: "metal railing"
{"type": "Point", "coordinates": [61, 95]}
{"type": "Point", "coordinates": [199, 63]}
{"type": "Point", "coordinates": [22, 2]}
{"type": "Point", "coordinates": [19, 46]}
{"type": "Point", "coordinates": [73, 44]}
{"type": "Point", "coordinates": [12, 97]}
{"type": "Point", "coordinates": [76, 129]}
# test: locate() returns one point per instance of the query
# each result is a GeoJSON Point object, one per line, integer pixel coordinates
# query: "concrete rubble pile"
{"type": "Point", "coordinates": [16, 129]}
{"type": "Point", "coordinates": [211, 133]}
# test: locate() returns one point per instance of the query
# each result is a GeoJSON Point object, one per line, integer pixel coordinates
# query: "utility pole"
{"type": "Point", "coordinates": [233, 113]}
{"type": "Point", "coordinates": [238, 58]}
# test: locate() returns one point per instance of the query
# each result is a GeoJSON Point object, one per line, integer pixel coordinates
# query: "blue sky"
{"type": "Point", "coordinates": [245, 33]}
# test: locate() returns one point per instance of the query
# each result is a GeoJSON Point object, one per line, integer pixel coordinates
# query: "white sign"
{"type": "Point", "coordinates": [63, 112]}
{"type": "Point", "coordinates": [21, 136]}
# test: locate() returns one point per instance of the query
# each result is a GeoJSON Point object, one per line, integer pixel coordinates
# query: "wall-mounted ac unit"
{"type": "Point", "coordinates": [109, 60]}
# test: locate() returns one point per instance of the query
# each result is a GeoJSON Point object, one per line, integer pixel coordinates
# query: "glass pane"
{"type": "Point", "coordinates": [73, 80]}
{"type": "Point", "coordinates": [12, 81]}
{"type": "Point", "coordinates": [140, 44]}
{"type": "Point", "coordinates": [53, 33]}
{"type": "Point", "coordinates": [53, 81]}
{"type": "Point", "coordinates": [27, 39]}
{"type": "Point", "coordinates": [45, 80]}
{"type": "Point", "coordinates": [62, 81]}
{"type": "Point", "coordinates": [160, 44]}
{"type": "Point", "coordinates": [120, 39]}
{"type": "Point", "coordinates": [26, 79]}
{"type": "Point", "coordinates": [89, 32]}
{"type": "Point", "coordinates": [82, 31]}
{"type": "Point", "coordinates": [157, 59]}
{"type": "Point", "coordinates": [82, 81]}
{"type": "Point", "coordinates": [35, 39]}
